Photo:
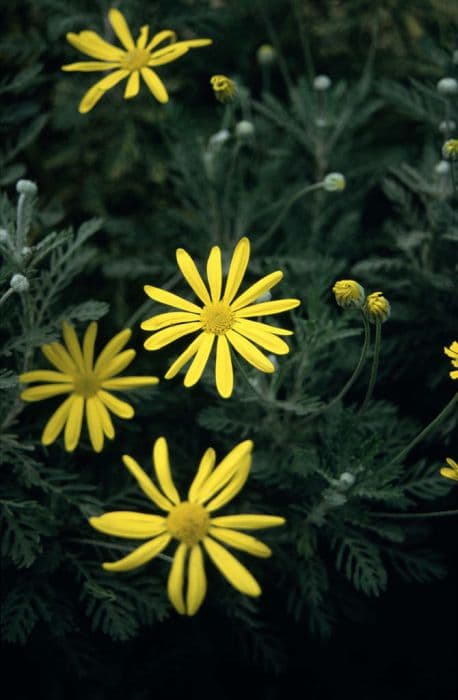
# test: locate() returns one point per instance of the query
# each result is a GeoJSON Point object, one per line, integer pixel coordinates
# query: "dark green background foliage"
{"type": "Point", "coordinates": [119, 190]}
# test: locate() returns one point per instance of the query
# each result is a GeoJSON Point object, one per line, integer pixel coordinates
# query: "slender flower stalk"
{"type": "Point", "coordinates": [281, 215]}
{"type": "Point", "coordinates": [375, 363]}
{"type": "Point", "coordinates": [132, 61]}
{"type": "Point", "coordinates": [427, 430]}
{"type": "Point", "coordinates": [88, 384]}
{"type": "Point", "coordinates": [192, 525]}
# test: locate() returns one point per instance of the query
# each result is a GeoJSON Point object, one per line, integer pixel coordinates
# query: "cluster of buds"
{"type": "Point", "coordinates": [350, 293]}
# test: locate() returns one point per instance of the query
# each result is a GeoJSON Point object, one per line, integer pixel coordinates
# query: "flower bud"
{"type": "Point", "coordinates": [223, 87]}
{"type": "Point", "coordinates": [377, 308]}
{"type": "Point", "coordinates": [266, 55]}
{"type": "Point", "coordinates": [322, 83]}
{"type": "Point", "coordinates": [4, 237]}
{"type": "Point", "coordinates": [26, 187]}
{"type": "Point", "coordinates": [346, 480]}
{"type": "Point", "coordinates": [447, 86]}
{"type": "Point", "coordinates": [446, 126]}
{"type": "Point", "coordinates": [334, 182]}
{"type": "Point", "coordinates": [219, 138]}
{"type": "Point", "coordinates": [442, 167]}
{"type": "Point", "coordinates": [19, 283]}
{"type": "Point", "coordinates": [244, 129]}
{"type": "Point", "coordinates": [450, 149]}
{"type": "Point", "coordinates": [349, 293]}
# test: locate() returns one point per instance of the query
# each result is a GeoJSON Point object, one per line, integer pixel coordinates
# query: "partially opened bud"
{"type": "Point", "coordinates": [377, 308]}
{"type": "Point", "coordinates": [349, 293]}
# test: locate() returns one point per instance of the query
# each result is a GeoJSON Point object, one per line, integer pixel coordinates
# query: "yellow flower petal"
{"type": "Point", "coordinates": [164, 297]}
{"type": "Point", "coordinates": [169, 335]}
{"type": "Point", "coordinates": [237, 269]}
{"type": "Point", "coordinates": [155, 85]}
{"type": "Point", "coordinates": [192, 276]}
{"type": "Point", "coordinates": [162, 469]}
{"type": "Point", "coordinates": [205, 468]}
{"type": "Point", "coordinates": [124, 523]}
{"type": "Point", "coordinates": [248, 522]}
{"type": "Point", "coordinates": [200, 360]}
{"type": "Point", "coordinates": [97, 91]}
{"type": "Point", "coordinates": [146, 484]}
{"type": "Point", "coordinates": [224, 374]}
{"type": "Point", "coordinates": [160, 37]}
{"type": "Point", "coordinates": [125, 383]}
{"type": "Point", "coordinates": [88, 345]}
{"type": "Point", "coordinates": [73, 345]}
{"type": "Point", "coordinates": [132, 85]}
{"type": "Point", "coordinates": [176, 579]}
{"type": "Point", "coordinates": [452, 351]}
{"type": "Point", "coordinates": [44, 375]}
{"type": "Point", "coordinates": [266, 340]}
{"type": "Point", "coordinates": [105, 419]}
{"type": "Point", "coordinates": [94, 424]}
{"type": "Point", "coordinates": [449, 473]}
{"type": "Point", "coordinates": [141, 555]}
{"type": "Point", "coordinates": [167, 55]}
{"type": "Point", "coordinates": [112, 348]}
{"type": "Point", "coordinates": [233, 570]}
{"type": "Point", "coordinates": [74, 422]}
{"type": "Point", "coordinates": [234, 486]}
{"type": "Point", "coordinates": [184, 357]}
{"type": "Point", "coordinates": [241, 541]}
{"type": "Point", "coordinates": [59, 357]}
{"type": "Point", "coordinates": [171, 318]}
{"type": "Point", "coordinates": [45, 391]}
{"type": "Point", "coordinates": [93, 45]}
{"type": "Point", "coordinates": [89, 66]}
{"type": "Point", "coordinates": [268, 307]}
{"type": "Point", "coordinates": [257, 289]}
{"type": "Point", "coordinates": [55, 424]}
{"type": "Point", "coordinates": [116, 365]}
{"type": "Point", "coordinates": [121, 28]}
{"type": "Point", "coordinates": [225, 470]}
{"type": "Point", "coordinates": [215, 273]}
{"type": "Point", "coordinates": [262, 327]}
{"type": "Point", "coordinates": [250, 352]}
{"type": "Point", "coordinates": [115, 405]}
{"type": "Point", "coordinates": [454, 374]}
{"type": "Point", "coordinates": [143, 37]}
{"type": "Point", "coordinates": [197, 581]}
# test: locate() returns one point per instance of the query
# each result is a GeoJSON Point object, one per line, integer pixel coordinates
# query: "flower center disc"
{"type": "Point", "coordinates": [217, 318]}
{"type": "Point", "coordinates": [188, 522]}
{"type": "Point", "coordinates": [135, 59]}
{"type": "Point", "coordinates": [86, 385]}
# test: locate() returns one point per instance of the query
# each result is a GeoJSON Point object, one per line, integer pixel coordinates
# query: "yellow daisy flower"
{"type": "Point", "coordinates": [89, 386]}
{"type": "Point", "coordinates": [131, 61]}
{"type": "Point", "coordinates": [192, 524]}
{"type": "Point", "coordinates": [450, 472]}
{"type": "Point", "coordinates": [452, 352]}
{"type": "Point", "coordinates": [224, 317]}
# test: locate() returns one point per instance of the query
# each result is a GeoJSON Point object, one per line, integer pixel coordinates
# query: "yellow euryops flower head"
{"type": "Point", "coordinates": [450, 149]}
{"type": "Point", "coordinates": [266, 55]}
{"type": "Point", "coordinates": [450, 472]}
{"type": "Point", "coordinates": [132, 60]}
{"type": "Point", "coordinates": [192, 525]}
{"type": "Point", "coordinates": [377, 308]}
{"type": "Point", "coordinates": [88, 384]}
{"type": "Point", "coordinates": [222, 319]}
{"type": "Point", "coordinates": [349, 293]}
{"type": "Point", "coordinates": [224, 88]}
{"type": "Point", "coordinates": [452, 352]}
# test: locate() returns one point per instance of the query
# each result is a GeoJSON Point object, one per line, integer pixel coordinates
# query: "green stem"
{"type": "Point", "coordinates": [6, 295]}
{"type": "Point", "coordinates": [247, 380]}
{"type": "Point", "coordinates": [297, 195]}
{"type": "Point", "coordinates": [375, 361]}
{"type": "Point", "coordinates": [354, 376]}
{"type": "Point", "coordinates": [429, 429]}
{"type": "Point", "coordinates": [433, 514]}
